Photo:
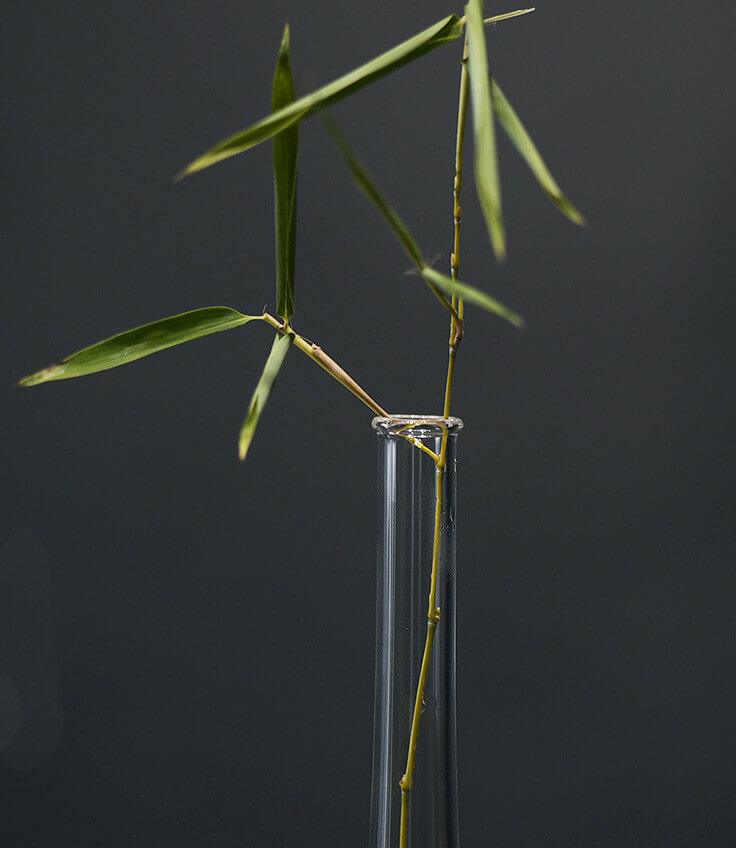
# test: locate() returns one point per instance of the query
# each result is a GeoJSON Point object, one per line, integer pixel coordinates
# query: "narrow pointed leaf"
{"type": "Point", "coordinates": [522, 141]}
{"type": "Point", "coordinates": [285, 149]}
{"type": "Point", "coordinates": [506, 16]}
{"type": "Point", "coordinates": [366, 184]}
{"type": "Point", "coordinates": [473, 295]}
{"type": "Point", "coordinates": [141, 341]}
{"type": "Point", "coordinates": [487, 180]}
{"type": "Point", "coordinates": [279, 349]}
{"type": "Point", "coordinates": [448, 29]}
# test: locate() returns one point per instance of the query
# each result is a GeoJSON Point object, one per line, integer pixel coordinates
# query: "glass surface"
{"type": "Point", "coordinates": [407, 482]}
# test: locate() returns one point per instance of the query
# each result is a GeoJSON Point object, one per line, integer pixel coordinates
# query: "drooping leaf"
{"type": "Point", "coordinates": [487, 180]}
{"type": "Point", "coordinates": [522, 141]}
{"type": "Point", "coordinates": [279, 349]}
{"type": "Point", "coordinates": [285, 150]}
{"type": "Point", "coordinates": [141, 341]}
{"type": "Point", "coordinates": [437, 282]}
{"type": "Point", "coordinates": [473, 295]}
{"type": "Point", "coordinates": [448, 29]}
{"type": "Point", "coordinates": [366, 184]}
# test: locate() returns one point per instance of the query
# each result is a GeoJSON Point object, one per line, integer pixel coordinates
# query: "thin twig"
{"type": "Point", "coordinates": [433, 618]}
{"type": "Point", "coordinates": [456, 327]}
{"type": "Point", "coordinates": [433, 611]}
{"type": "Point", "coordinates": [316, 354]}
{"type": "Point", "coordinates": [335, 370]}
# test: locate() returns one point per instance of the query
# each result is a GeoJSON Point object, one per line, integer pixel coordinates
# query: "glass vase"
{"type": "Point", "coordinates": [408, 487]}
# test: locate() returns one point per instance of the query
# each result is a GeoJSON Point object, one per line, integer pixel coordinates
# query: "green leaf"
{"type": "Point", "coordinates": [521, 140]}
{"type": "Point", "coordinates": [285, 149]}
{"type": "Point", "coordinates": [365, 183]}
{"type": "Point", "coordinates": [473, 295]}
{"type": "Point", "coordinates": [506, 16]}
{"type": "Point", "coordinates": [437, 282]}
{"type": "Point", "coordinates": [448, 29]}
{"type": "Point", "coordinates": [280, 348]}
{"type": "Point", "coordinates": [486, 174]}
{"type": "Point", "coordinates": [142, 341]}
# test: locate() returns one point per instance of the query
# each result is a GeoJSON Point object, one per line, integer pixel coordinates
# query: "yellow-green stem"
{"type": "Point", "coordinates": [456, 326]}
{"type": "Point", "coordinates": [433, 618]}
{"type": "Point", "coordinates": [456, 329]}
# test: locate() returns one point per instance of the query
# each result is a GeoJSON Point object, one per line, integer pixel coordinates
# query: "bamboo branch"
{"type": "Point", "coordinates": [456, 327]}
{"type": "Point", "coordinates": [316, 354]}
{"type": "Point", "coordinates": [337, 372]}
{"type": "Point", "coordinates": [456, 331]}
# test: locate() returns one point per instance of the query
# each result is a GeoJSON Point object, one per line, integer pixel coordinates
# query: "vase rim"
{"type": "Point", "coordinates": [420, 426]}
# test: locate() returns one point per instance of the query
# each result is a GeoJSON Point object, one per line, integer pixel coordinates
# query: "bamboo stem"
{"type": "Point", "coordinates": [456, 308]}
{"type": "Point", "coordinates": [456, 330]}
{"type": "Point", "coordinates": [456, 326]}
{"type": "Point", "coordinates": [457, 312]}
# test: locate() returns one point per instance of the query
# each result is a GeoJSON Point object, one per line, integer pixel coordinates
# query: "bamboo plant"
{"type": "Point", "coordinates": [480, 94]}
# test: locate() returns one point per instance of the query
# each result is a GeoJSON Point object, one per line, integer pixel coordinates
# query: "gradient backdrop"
{"type": "Point", "coordinates": [186, 643]}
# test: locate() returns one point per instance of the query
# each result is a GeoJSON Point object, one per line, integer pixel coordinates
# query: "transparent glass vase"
{"type": "Point", "coordinates": [407, 480]}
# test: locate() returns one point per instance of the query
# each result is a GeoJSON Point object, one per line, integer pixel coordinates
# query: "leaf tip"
{"type": "Point", "coordinates": [568, 210]}
{"type": "Point", "coordinates": [499, 248]}
{"type": "Point", "coordinates": [200, 163]}
{"type": "Point", "coordinates": [246, 438]}
{"type": "Point", "coordinates": [285, 41]}
{"type": "Point", "coordinates": [579, 219]}
{"type": "Point", "coordinates": [185, 172]}
{"type": "Point", "coordinates": [53, 372]}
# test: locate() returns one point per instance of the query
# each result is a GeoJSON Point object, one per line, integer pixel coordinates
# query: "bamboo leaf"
{"type": "Point", "coordinates": [365, 183]}
{"type": "Point", "coordinates": [436, 281]}
{"type": "Point", "coordinates": [522, 141]}
{"type": "Point", "coordinates": [279, 349]}
{"type": "Point", "coordinates": [448, 29]}
{"type": "Point", "coordinates": [486, 174]}
{"type": "Point", "coordinates": [473, 295]}
{"type": "Point", "coordinates": [285, 150]}
{"type": "Point", "coordinates": [142, 341]}
{"type": "Point", "coordinates": [506, 16]}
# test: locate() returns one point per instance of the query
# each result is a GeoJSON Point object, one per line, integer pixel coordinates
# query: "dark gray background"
{"type": "Point", "coordinates": [190, 640]}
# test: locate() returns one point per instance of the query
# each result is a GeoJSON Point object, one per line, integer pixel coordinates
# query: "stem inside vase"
{"type": "Point", "coordinates": [409, 483]}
